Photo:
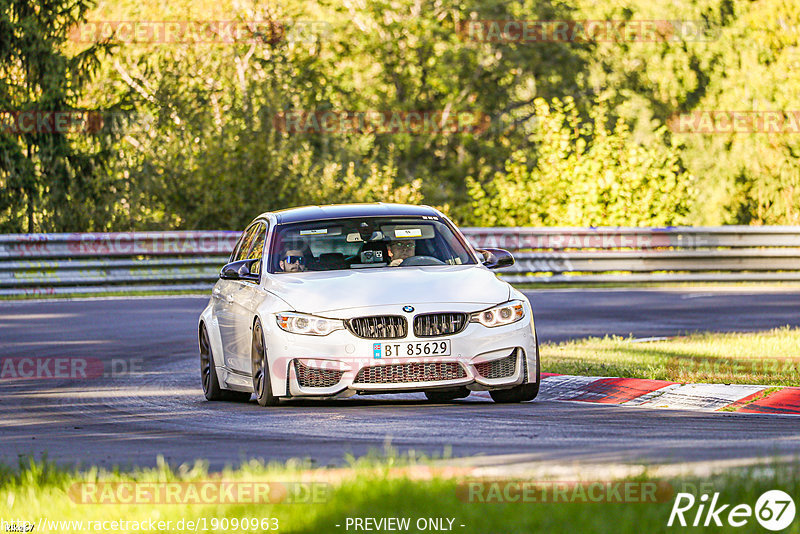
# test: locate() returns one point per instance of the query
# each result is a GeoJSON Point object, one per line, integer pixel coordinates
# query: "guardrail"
{"type": "Point", "coordinates": [173, 261]}
{"type": "Point", "coordinates": [641, 255]}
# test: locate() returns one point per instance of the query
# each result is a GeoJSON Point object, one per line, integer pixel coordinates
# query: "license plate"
{"type": "Point", "coordinates": [416, 348]}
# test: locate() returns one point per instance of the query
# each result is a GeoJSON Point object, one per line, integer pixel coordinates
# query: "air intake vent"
{"type": "Point", "coordinates": [502, 368]}
{"type": "Point", "coordinates": [410, 372]}
{"type": "Point", "coordinates": [379, 327]}
{"type": "Point", "coordinates": [310, 377]}
{"type": "Point", "coordinates": [439, 324]}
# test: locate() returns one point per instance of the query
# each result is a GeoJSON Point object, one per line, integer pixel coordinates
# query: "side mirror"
{"type": "Point", "coordinates": [496, 258]}
{"type": "Point", "coordinates": [240, 270]}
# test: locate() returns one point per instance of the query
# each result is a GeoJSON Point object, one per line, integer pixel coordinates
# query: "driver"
{"type": "Point", "coordinates": [292, 261]}
{"type": "Point", "coordinates": [400, 250]}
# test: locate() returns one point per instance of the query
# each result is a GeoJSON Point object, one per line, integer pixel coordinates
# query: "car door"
{"type": "Point", "coordinates": [246, 298]}
{"type": "Point", "coordinates": [224, 295]}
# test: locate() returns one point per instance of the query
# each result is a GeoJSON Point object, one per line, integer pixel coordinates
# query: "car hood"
{"type": "Point", "coordinates": [315, 292]}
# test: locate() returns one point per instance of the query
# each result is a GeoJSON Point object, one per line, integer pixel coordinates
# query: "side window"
{"type": "Point", "coordinates": [257, 250]}
{"type": "Point", "coordinates": [244, 245]}
{"type": "Point", "coordinates": [238, 246]}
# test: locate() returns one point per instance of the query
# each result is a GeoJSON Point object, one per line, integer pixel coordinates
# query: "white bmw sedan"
{"type": "Point", "coordinates": [333, 301]}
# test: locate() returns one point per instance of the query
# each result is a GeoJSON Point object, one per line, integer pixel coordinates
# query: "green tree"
{"type": "Point", "coordinates": [583, 173]}
{"type": "Point", "coordinates": [418, 55]}
{"type": "Point", "coordinates": [49, 180]}
{"type": "Point", "coordinates": [746, 57]}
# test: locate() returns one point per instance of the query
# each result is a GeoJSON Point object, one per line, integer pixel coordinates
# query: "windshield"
{"type": "Point", "coordinates": [365, 243]}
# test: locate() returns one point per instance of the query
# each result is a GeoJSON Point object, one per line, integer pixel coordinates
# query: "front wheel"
{"type": "Point", "coordinates": [262, 385]}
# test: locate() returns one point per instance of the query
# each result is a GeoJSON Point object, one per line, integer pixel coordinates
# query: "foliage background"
{"type": "Point", "coordinates": [578, 134]}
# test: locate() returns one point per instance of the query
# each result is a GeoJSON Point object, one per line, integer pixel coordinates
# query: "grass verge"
{"type": "Point", "coordinates": [769, 358]}
{"type": "Point", "coordinates": [45, 495]}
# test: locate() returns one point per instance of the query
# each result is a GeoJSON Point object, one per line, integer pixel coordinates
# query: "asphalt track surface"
{"type": "Point", "coordinates": [157, 408]}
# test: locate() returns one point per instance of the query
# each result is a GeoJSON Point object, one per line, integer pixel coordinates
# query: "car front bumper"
{"type": "Point", "coordinates": [341, 364]}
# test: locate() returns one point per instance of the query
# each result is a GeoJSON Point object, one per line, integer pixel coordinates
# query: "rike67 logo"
{"type": "Point", "coordinates": [774, 510]}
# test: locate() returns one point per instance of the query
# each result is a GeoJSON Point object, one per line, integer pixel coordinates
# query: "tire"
{"type": "Point", "coordinates": [208, 374]}
{"type": "Point", "coordinates": [446, 395]}
{"type": "Point", "coordinates": [262, 385]}
{"type": "Point", "coordinates": [523, 392]}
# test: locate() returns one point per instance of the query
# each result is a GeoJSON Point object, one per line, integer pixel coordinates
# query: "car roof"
{"type": "Point", "coordinates": [341, 211]}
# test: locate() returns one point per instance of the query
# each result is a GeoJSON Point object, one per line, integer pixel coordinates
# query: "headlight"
{"type": "Point", "coordinates": [301, 323]}
{"type": "Point", "coordinates": [503, 314]}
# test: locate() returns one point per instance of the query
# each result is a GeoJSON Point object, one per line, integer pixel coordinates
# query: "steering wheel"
{"type": "Point", "coordinates": [421, 260]}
